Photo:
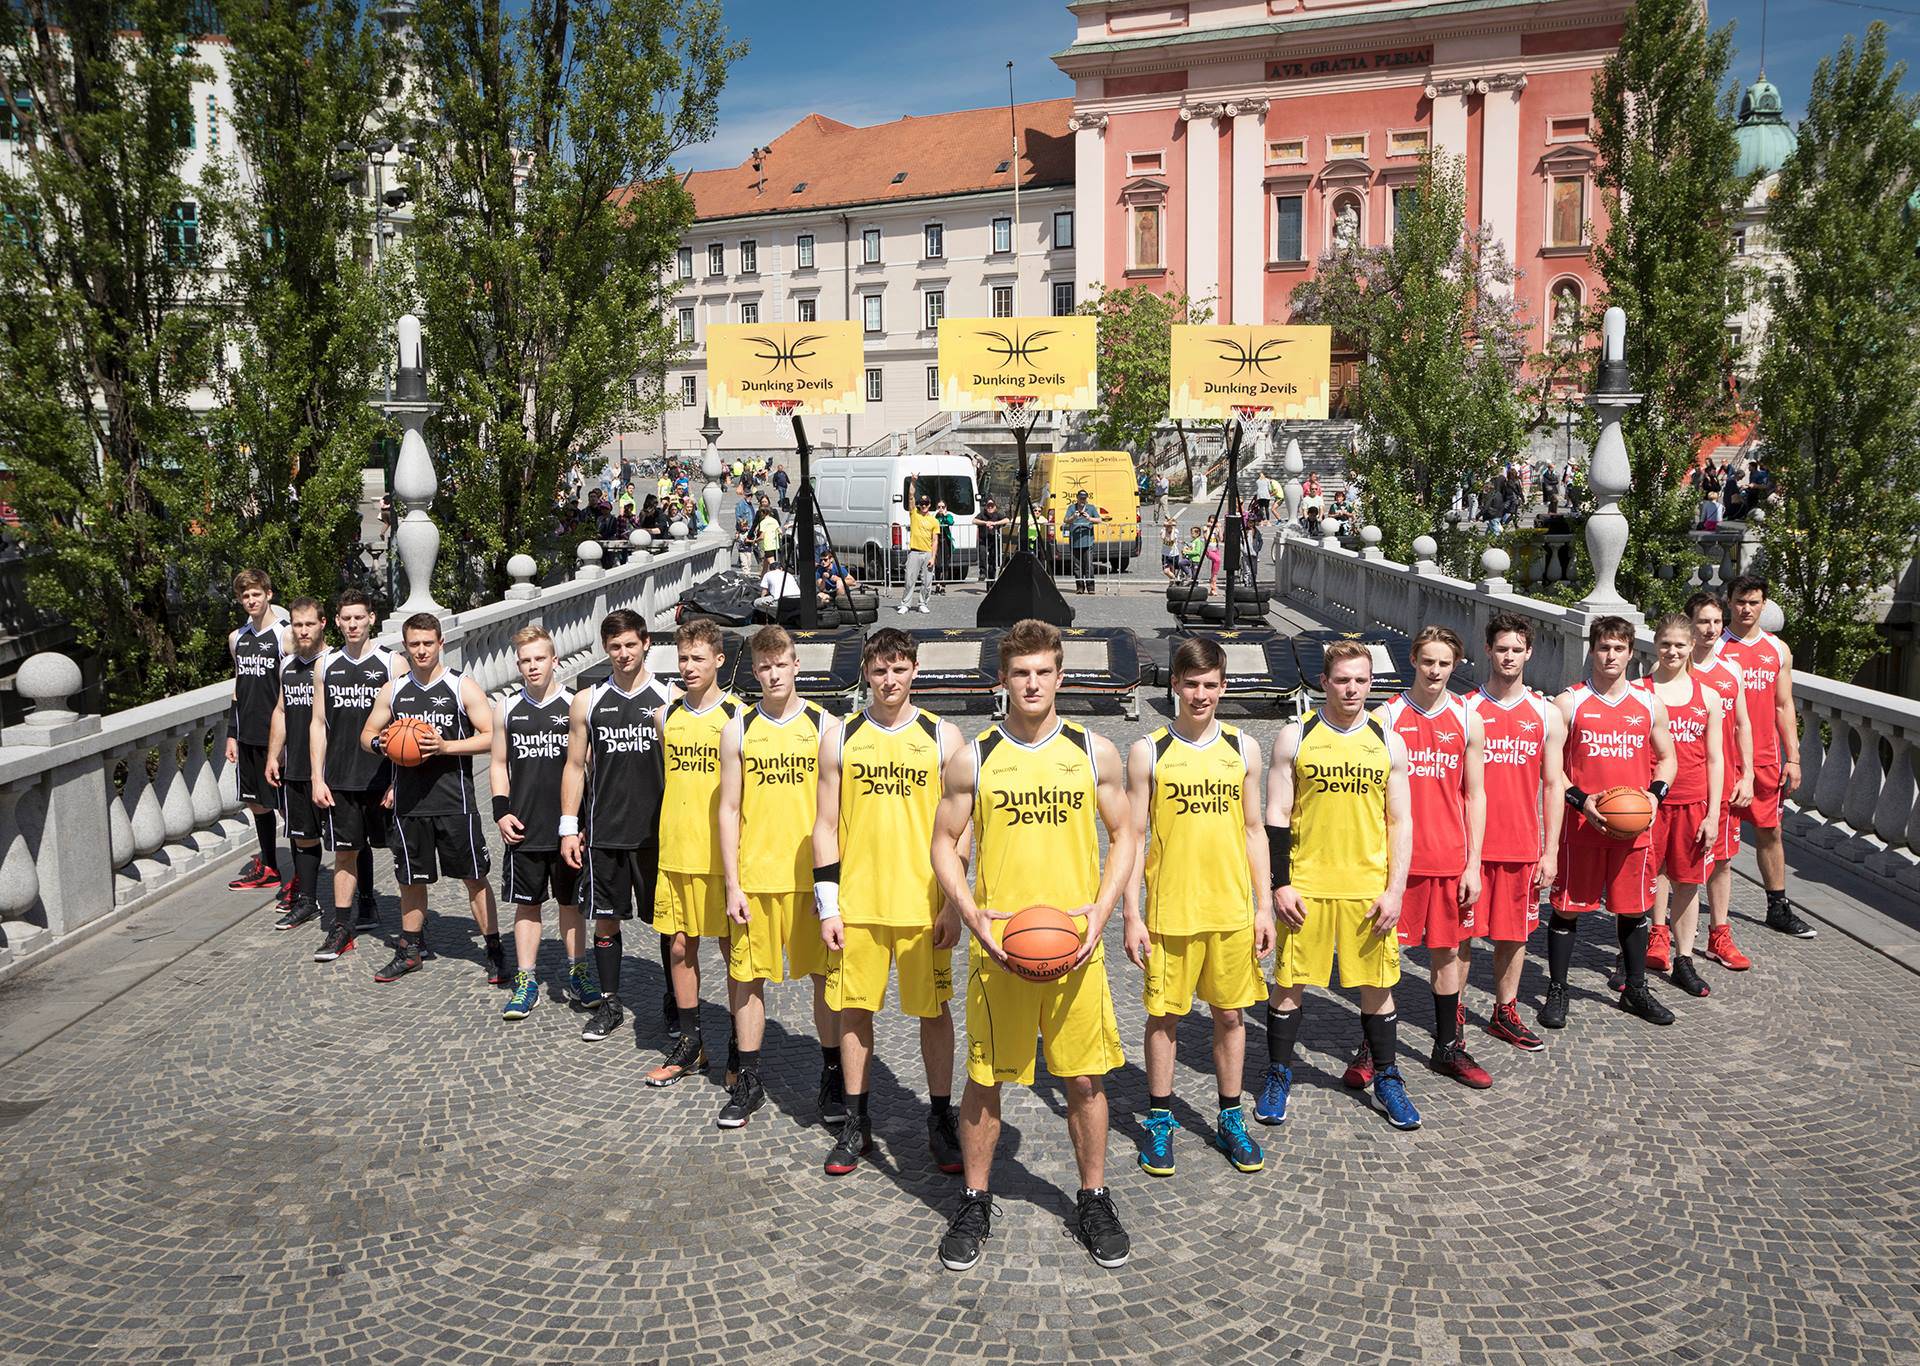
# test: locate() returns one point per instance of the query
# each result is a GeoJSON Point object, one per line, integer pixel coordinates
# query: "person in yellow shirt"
{"type": "Point", "coordinates": [923, 533]}
{"type": "Point", "coordinates": [1195, 797]}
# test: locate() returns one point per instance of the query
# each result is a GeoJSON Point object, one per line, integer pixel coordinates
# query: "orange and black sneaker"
{"type": "Point", "coordinates": [1359, 1073]}
{"type": "Point", "coordinates": [1507, 1027]}
{"type": "Point", "coordinates": [1722, 950]}
{"type": "Point", "coordinates": [256, 875]}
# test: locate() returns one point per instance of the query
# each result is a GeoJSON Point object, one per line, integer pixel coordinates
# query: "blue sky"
{"type": "Point", "coordinates": [868, 61]}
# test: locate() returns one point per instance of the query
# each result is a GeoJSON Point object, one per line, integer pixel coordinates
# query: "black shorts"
{"type": "Point", "coordinates": [297, 811]}
{"type": "Point", "coordinates": [616, 878]}
{"type": "Point", "coordinates": [356, 820]}
{"type": "Point", "coordinates": [426, 846]}
{"type": "Point", "coordinates": [527, 875]}
{"type": "Point", "coordinates": [250, 775]}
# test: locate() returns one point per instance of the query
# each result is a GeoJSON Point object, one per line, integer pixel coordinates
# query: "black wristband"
{"type": "Point", "coordinates": [1280, 854]}
{"type": "Point", "coordinates": [379, 745]}
{"type": "Point", "coordinates": [827, 872]}
{"type": "Point", "coordinates": [499, 807]}
{"type": "Point", "coordinates": [1575, 797]}
{"type": "Point", "coordinates": [1657, 790]}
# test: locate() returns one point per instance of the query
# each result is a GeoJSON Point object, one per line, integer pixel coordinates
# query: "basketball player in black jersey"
{"type": "Point", "coordinates": [529, 756]}
{"type": "Point", "coordinates": [289, 758]}
{"type": "Point", "coordinates": [610, 802]}
{"type": "Point", "coordinates": [256, 648]}
{"type": "Point", "coordinates": [352, 789]}
{"type": "Point", "coordinates": [436, 821]}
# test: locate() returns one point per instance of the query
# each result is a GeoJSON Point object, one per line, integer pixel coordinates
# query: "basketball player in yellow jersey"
{"type": "Point", "coordinates": [1340, 843]}
{"type": "Point", "coordinates": [1031, 786]}
{"type": "Point", "coordinates": [769, 762]}
{"type": "Point", "coordinates": [1195, 797]}
{"type": "Point", "coordinates": [690, 900]}
{"type": "Point", "coordinates": [879, 904]}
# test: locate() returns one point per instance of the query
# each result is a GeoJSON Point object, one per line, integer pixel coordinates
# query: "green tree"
{"type": "Point", "coordinates": [1839, 376]}
{"type": "Point", "coordinates": [548, 216]}
{"type": "Point", "coordinates": [1439, 399]}
{"type": "Point", "coordinates": [1663, 116]}
{"type": "Point", "coordinates": [109, 308]}
{"type": "Point", "coordinates": [1133, 337]}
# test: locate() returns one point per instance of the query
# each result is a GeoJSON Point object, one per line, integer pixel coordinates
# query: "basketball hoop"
{"type": "Point", "coordinates": [780, 407]}
{"type": "Point", "coordinates": [1249, 412]}
{"type": "Point", "coordinates": [1010, 406]}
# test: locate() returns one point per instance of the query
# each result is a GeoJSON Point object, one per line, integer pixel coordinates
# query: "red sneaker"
{"type": "Point", "coordinates": [1506, 1026]}
{"type": "Point", "coordinates": [1453, 1060]}
{"type": "Point", "coordinates": [1722, 950]}
{"type": "Point", "coordinates": [1359, 1073]}
{"type": "Point", "coordinates": [1660, 948]}
{"type": "Point", "coordinates": [255, 875]}
{"type": "Point", "coordinates": [288, 891]}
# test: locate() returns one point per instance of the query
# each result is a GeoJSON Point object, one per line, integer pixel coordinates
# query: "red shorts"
{"type": "Point", "coordinates": [1509, 910]}
{"type": "Point", "coordinates": [1727, 843]}
{"type": "Point", "coordinates": [1677, 854]}
{"type": "Point", "coordinates": [1430, 914]}
{"type": "Point", "coordinates": [1765, 810]}
{"type": "Point", "coordinates": [1596, 871]}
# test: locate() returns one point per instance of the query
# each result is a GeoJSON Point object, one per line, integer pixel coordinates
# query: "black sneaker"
{"type": "Point", "coordinates": [747, 1096]}
{"type": "Point", "coordinates": [289, 894]}
{"type": "Point", "coordinates": [686, 1057]}
{"type": "Point", "coordinates": [366, 914]}
{"type": "Point", "coordinates": [1553, 1012]}
{"type": "Point", "coordinates": [303, 909]}
{"type": "Point", "coordinates": [1617, 979]}
{"type": "Point", "coordinates": [833, 1096]}
{"type": "Point", "coordinates": [1097, 1225]}
{"type": "Point", "coordinates": [1780, 917]}
{"type": "Point", "coordinates": [971, 1225]}
{"type": "Point", "coordinates": [339, 940]}
{"type": "Point", "coordinates": [854, 1142]}
{"type": "Point", "coordinates": [498, 973]}
{"type": "Point", "coordinates": [1687, 978]}
{"type": "Point", "coordinates": [943, 1142]}
{"type": "Point", "coordinates": [604, 1023]}
{"type": "Point", "coordinates": [406, 959]}
{"type": "Point", "coordinates": [1641, 1001]}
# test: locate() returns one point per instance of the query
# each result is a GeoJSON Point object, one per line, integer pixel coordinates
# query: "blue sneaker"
{"type": "Point", "coordinates": [1271, 1108]}
{"type": "Point", "coordinates": [583, 992]}
{"type": "Point", "coordinates": [525, 995]}
{"type": "Point", "coordinates": [1391, 1092]}
{"type": "Point", "coordinates": [1156, 1154]}
{"type": "Point", "coordinates": [1240, 1149]}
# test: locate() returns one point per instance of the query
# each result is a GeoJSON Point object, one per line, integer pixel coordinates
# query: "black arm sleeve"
{"type": "Point", "coordinates": [1280, 854]}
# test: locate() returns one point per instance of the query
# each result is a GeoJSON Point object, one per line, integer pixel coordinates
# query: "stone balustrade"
{"type": "Point", "coordinates": [101, 814]}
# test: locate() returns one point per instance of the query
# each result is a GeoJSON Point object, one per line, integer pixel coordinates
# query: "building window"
{"type": "Point", "coordinates": [749, 258]}
{"type": "Point", "coordinates": [13, 122]}
{"type": "Point", "coordinates": [1003, 301]}
{"type": "Point", "coordinates": [689, 392]}
{"type": "Point", "coordinates": [1405, 199]}
{"type": "Point", "coordinates": [870, 311]}
{"type": "Point", "coordinates": [1568, 217]}
{"type": "Point", "coordinates": [807, 311]}
{"type": "Point", "coordinates": [1143, 238]}
{"type": "Point", "coordinates": [933, 384]}
{"type": "Point", "coordinates": [1568, 130]}
{"type": "Point", "coordinates": [1410, 143]}
{"type": "Point", "coordinates": [1348, 221]}
{"type": "Point", "coordinates": [1289, 228]}
{"type": "Point", "coordinates": [803, 246]}
{"type": "Point", "coordinates": [1063, 298]}
{"type": "Point", "coordinates": [870, 246]}
{"type": "Point", "coordinates": [1063, 230]}
{"type": "Point", "coordinates": [686, 324]}
{"type": "Point", "coordinates": [185, 129]}
{"type": "Point", "coordinates": [183, 233]}
{"type": "Point", "coordinates": [1740, 242]}
{"type": "Point", "coordinates": [936, 237]}
{"type": "Point", "coordinates": [1563, 311]}
{"type": "Point", "coordinates": [213, 121]}
{"type": "Point", "coordinates": [1347, 145]}
{"type": "Point", "coordinates": [750, 313]}
{"type": "Point", "coordinates": [1287, 152]}
{"type": "Point", "coordinates": [873, 384]}
{"type": "Point", "coordinates": [1146, 163]}
{"type": "Point", "coordinates": [936, 307]}
{"type": "Point", "coordinates": [685, 261]}
{"type": "Point", "coordinates": [1003, 234]}
{"type": "Point", "coordinates": [716, 259]}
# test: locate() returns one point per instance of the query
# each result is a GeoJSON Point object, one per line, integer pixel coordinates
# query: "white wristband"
{"type": "Point", "coordinates": [826, 900]}
{"type": "Point", "coordinates": [569, 825]}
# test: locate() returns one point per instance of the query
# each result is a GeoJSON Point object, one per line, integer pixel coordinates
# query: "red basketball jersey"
{"type": "Point", "coordinates": [1723, 676]}
{"type": "Point", "coordinates": [1759, 661]}
{"type": "Point", "coordinates": [1436, 781]}
{"type": "Point", "coordinates": [1609, 744]}
{"type": "Point", "coordinates": [1687, 723]}
{"type": "Point", "coordinates": [1516, 734]}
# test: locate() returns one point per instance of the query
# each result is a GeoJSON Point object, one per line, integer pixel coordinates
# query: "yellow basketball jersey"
{"type": "Point", "coordinates": [1035, 813]}
{"type": "Point", "coordinates": [690, 802]}
{"type": "Point", "coordinates": [889, 790]}
{"type": "Point", "coordinates": [1198, 881]}
{"type": "Point", "coordinates": [1340, 810]}
{"type": "Point", "coordinates": [779, 777]}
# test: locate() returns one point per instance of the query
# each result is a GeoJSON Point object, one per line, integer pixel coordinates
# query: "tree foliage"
{"type": "Point", "coordinates": [1839, 376]}
{"type": "Point", "coordinates": [548, 217]}
{"type": "Point", "coordinates": [1439, 401]}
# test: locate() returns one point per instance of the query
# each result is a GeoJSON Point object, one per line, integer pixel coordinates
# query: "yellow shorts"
{"type": "Point", "coordinates": [1304, 957]}
{"type": "Point", "coordinates": [691, 903]}
{"type": "Point", "coordinates": [1220, 967]}
{"type": "Point", "coordinates": [781, 939]}
{"type": "Point", "coordinates": [1072, 1017]}
{"type": "Point", "coordinates": [857, 974]}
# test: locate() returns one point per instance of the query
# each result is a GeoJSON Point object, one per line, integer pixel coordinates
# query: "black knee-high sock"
{"type": "Point", "coordinates": [1382, 1031]}
{"type": "Point", "coordinates": [606, 962]}
{"type": "Point", "coordinates": [306, 868]}
{"type": "Point", "coordinates": [265, 826]}
{"type": "Point", "coordinates": [1633, 932]}
{"type": "Point", "coordinates": [1446, 1017]}
{"type": "Point", "coordinates": [1560, 933]}
{"type": "Point", "coordinates": [363, 874]}
{"type": "Point", "coordinates": [666, 958]}
{"type": "Point", "coordinates": [1283, 1032]}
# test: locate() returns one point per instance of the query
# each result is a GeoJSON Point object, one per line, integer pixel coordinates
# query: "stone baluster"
{"type": "Point", "coordinates": [1295, 491]}
{"type": "Point", "coordinates": [1813, 751]}
{"type": "Point", "coordinates": [1863, 792]}
{"type": "Point", "coordinates": [119, 821]}
{"type": "Point", "coordinates": [203, 780]}
{"type": "Point", "coordinates": [19, 879]}
{"type": "Point", "coordinates": [1895, 805]}
{"type": "Point", "coordinates": [521, 569]}
{"type": "Point", "coordinates": [1836, 771]}
{"type": "Point", "coordinates": [176, 802]}
{"type": "Point", "coordinates": [144, 816]}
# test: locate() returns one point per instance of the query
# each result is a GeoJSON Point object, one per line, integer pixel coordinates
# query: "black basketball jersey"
{"type": "Point", "coordinates": [443, 785]}
{"type": "Point", "coordinates": [625, 766]}
{"type": "Point", "coordinates": [351, 687]}
{"type": "Point", "coordinates": [536, 757]}
{"type": "Point", "coordinates": [256, 681]}
{"type": "Point", "coordinates": [296, 700]}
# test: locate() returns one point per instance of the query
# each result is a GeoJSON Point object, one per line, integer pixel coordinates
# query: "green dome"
{"type": "Point", "coordinates": [1763, 136]}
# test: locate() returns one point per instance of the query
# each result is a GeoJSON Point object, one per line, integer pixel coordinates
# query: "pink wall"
{"type": "Point", "coordinates": [1550, 95]}
{"type": "Point", "coordinates": [1152, 130]}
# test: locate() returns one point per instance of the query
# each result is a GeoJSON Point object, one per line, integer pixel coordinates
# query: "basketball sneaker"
{"type": "Point", "coordinates": [853, 1142]}
{"type": "Point", "coordinates": [1641, 1001]}
{"type": "Point", "coordinates": [686, 1057]}
{"type": "Point", "coordinates": [1687, 977]}
{"type": "Point", "coordinates": [943, 1142]}
{"type": "Point", "coordinates": [1359, 1073]}
{"type": "Point", "coordinates": [289, 893]}
{"type": "Point", "coordinates": [255, 875]}
{"type": "Point", "coordinates": [1271, 1108]}
{"type": "Point", "coordinates": [583, 992]}
{"type": "Point", "coordinates": [1238, 1144]}
{"type": "Point", "coordinates": [1781, 917]}
{"type": "Point", "coordinates": [298, 912]}
{"type": "Point", "coordinates": [1391, 1091]}
{"type": "Point", "coordinates": [1156, 1149]}
{"type": "Point", "coordinates": [1553, 1011]}
{"type": "Point", "coordinates": [526, 995]}
{"type": "Point", "coordinates": [497, 973]}
{"type": "Point", "coordinates": [746, 1096]}
{"type": "Point", "coordinates": [339, 940]}
{"type": "Point", "coordinates": [1722, 950]}
{"type": "Point", "coordinates": [971, 1225]}
{"type": "Point", "coordinates": [406, 959]}
{"type": "Point", "coordinates": [833, 1095]}
{"type": "Point", "coordinates": [1453, 1060]}
{"type": "Point", "coordinates": [1660, 948]}
{"type": "Point", "coordinates": [1507, 1027]}
{"type": "Point", "coordinates": [604, 1023]}
{"type": "Point", "coordinates": [1097, 1225]}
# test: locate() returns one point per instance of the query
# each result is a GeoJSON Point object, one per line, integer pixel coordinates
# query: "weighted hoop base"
{"type": "Point", "coordinates": [1023, 590]}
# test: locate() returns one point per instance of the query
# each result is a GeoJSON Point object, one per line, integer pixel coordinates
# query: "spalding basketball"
{"type": "Point", "coordinates": [401, 740]}
{"type": "Point", "coordinates": [1041, 943]}
{"type": "Point", "coordinates": [1628, 810]}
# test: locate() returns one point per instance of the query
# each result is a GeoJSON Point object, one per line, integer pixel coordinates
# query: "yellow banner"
{"type": "Point", "coordinates": [818, 364]}
{"type": "Point", "coordinates": [1282, 369]}
{"type": "Point", "coordinates": [1050, 360]}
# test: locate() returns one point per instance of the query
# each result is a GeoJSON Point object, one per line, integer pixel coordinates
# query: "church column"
{"type": "Point", "coordinates": [1090, 203]}
{"type": "Point", "coordinates": [1249, 210]}
{"type": "Point", "coordinates": [1449, 99]}
{"type": "Point", "coordinates": [1203, 200]}
{"type": "Point", "coordinates": [1500, 158]}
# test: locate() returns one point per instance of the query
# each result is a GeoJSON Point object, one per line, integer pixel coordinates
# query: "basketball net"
{"type": "Point", "coordinates": [1010, 406]}
{"type": "Point", "coordinates": [780, 407]}
{"type": "Point", "coordinates": [1249, 412]}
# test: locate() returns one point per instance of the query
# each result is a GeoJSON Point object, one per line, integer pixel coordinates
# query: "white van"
{"type": "Point", "coordinates": [862, 500]}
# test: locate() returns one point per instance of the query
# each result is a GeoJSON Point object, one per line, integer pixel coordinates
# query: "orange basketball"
{"type": "Point", "coordinates": [1628, 811]}
{"type": "Point", "coordinates": [401, 740]}
{"type": "Point", "coordinates": [1040, 943]}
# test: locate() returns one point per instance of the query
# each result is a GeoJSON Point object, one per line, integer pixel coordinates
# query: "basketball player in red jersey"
{"type": "Point", "coordinates": [1616, 737]}
{"type": "Point", "coordinates": [1709, 615]}
{"type": "Point", "coordinates": [1525, 784]}
{"type": "Point", "coordinates": [1766, 667]}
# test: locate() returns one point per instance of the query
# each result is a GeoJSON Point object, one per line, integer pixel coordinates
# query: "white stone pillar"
{"type": "Point", "coordinates": [1610, 475]}
{"type": "Point", "coordinates": [1249, 276]}
{"type": "Point", "coordinates": [415, 482]}
{"type": "Point", "coordinates": [1500, 160]}
{"type": "Point", "coordinates": [1449, 99]}
{"type": "Point", "coordinates": [1203, 200]}
{"type": "Point", "coordinates": [1089, 205]}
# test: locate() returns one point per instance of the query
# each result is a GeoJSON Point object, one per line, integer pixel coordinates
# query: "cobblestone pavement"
{"type": "Point", "coordinates": [253, 1158]}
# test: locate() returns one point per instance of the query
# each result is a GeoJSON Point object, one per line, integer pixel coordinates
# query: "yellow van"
{"type": "Point", "coordinates": [1108, 478]}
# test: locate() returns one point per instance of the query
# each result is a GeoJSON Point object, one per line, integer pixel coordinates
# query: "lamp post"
{"type": "Point", "coordinates": [1609, 473]}
{"type": "Point", "coordinates": [416, 541]}
{"type": "Point", "coordinates": [710, 466]}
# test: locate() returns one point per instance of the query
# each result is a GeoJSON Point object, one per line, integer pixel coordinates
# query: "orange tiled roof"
{"type": "Point", "coordinates": [942, 154]}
